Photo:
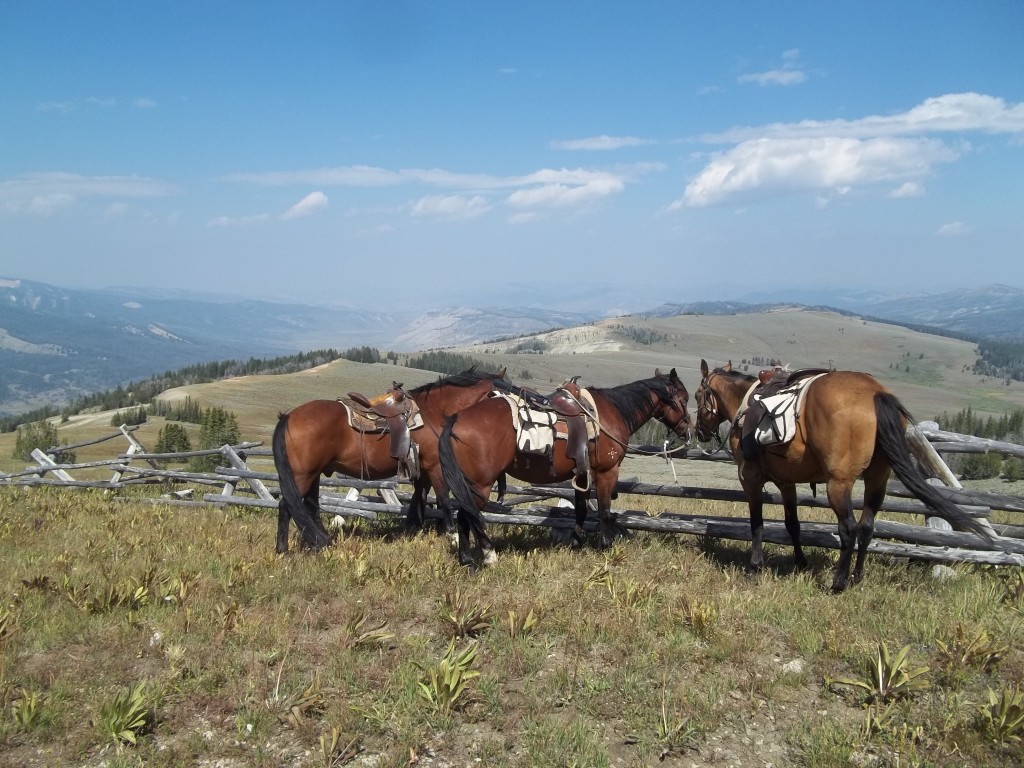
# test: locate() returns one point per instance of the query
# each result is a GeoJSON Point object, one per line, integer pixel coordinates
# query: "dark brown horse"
{"type": "Point", "coordinates": [478, 445]}
{"type": "Point", "coordinates": [317, 438]}
{"type": "Point", "coordinates": [849, 427]}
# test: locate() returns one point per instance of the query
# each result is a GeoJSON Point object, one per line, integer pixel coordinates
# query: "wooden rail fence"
{"type": "Point", "coordinates": [239, 484]}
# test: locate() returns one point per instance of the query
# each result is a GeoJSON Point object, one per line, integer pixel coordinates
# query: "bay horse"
{"type": "Point", "coordinates": [849, 427]}
{"type": "Point", "coordinates": [317, 438]}
{"type": "Point", "coordinates": [478, 445]}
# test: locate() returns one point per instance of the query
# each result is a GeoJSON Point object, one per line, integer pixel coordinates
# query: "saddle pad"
{"type": "Point", "coordinates": [536, 430]}
{"type": "Point", "coordinates": [778, 423]}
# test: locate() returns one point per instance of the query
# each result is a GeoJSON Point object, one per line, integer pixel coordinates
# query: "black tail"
{"type": "Point", "coordinates": [892, 439]}
{"type": "Point", "coordinates": [293, 504]}
{"type": "Point", "coordinates": [456, 480]}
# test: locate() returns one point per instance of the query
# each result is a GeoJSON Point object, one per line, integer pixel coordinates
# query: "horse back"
{"type": "Point", "coordinates": [837, 424]}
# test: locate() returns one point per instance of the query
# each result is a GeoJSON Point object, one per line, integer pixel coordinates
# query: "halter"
{"type": "Point", "coordinates": [707, 403]}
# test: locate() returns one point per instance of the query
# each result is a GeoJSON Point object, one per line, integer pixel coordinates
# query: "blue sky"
{"type": "Point", "coordinates": [423, 152]}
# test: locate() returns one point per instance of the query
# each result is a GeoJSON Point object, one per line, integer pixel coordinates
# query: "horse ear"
{"type": "Point", "coordinates": [727, 366]}
{"type": "Point", "coordinates": [657, 372]}
{"type": "Point", "coordinates": [501, 373]}
{"type": "Point", "coordinates": [703, 368]}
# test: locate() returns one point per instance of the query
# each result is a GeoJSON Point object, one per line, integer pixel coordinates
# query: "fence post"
{"type": "Point", "coordinates": [49, 465]}
{"type": "Point", "coordinates": [256, 484]}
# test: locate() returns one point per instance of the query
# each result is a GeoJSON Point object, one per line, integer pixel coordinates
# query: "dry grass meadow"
{"type": "Point", "coordinates": [133, 634]}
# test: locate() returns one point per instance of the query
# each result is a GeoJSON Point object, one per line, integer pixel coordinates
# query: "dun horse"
{"type": "Point", "coordinates": [478, 445]}
{"type": "Point", "coordinates": [317, 438]}
{"type": "Point", "coordinates": [849, 426]}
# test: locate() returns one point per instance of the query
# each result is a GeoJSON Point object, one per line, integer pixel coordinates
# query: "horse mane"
{"type": "Point", "coordinates": [733, 375]}
{"type": "Point", "coordinates": [633, 398]}
{"type": "Point", "coordinates": [467, 378]}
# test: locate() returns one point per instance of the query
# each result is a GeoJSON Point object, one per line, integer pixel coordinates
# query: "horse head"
{"type": "Point", "coordinates": [709, 412]}
{"type": "Point", "coordinates": [673, 413]}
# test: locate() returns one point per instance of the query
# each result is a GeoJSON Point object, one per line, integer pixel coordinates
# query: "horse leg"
{"type": "Point", "coordinates": [842, 505]}
{"type": "Point", "coordinates": [580, 504]}
{"type": "Point", "coordinates": [605, 483]}
{"type": "Point", "coordinates": [414, 518]}
{"type": "Point", "coordinates": [319, 536]}
{"type": "Point", "coordinates": [753, 481]}
{"type": "Point", "coordinates": [874, 494]}
{"type": "Point", "coordinates": [284, 517]}
{"type": "Point", "coordinates": [788, 492]}
{"type": "Point", "coordinates": [465, 551]}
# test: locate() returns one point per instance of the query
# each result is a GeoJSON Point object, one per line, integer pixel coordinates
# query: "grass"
{"type": "Point", "coordinates": [658, 650]}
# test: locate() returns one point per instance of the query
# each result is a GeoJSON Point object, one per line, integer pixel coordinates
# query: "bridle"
{"type": "Point", "coordinates": [708, 405]}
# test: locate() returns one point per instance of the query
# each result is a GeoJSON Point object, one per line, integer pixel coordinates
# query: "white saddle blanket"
{"type": "Point", "coordinates": [535, 430]}
{"type": "Point", "coordinates": [778, 423]}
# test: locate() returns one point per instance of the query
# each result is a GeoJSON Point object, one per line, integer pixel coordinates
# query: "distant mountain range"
{"type": "Point", "coordinates": [57, 343]}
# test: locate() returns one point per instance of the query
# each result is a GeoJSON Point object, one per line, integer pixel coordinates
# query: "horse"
{"type": "Point", "coordinates": [317, 438]}
{"type": "Point", "coordinates": [849, 427]}
{"type": "Point", "coordinates": [478, 445]}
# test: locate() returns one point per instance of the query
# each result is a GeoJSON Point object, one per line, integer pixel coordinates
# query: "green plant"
{"type": "Point", "coordinates": [520, 625]}
{"type": "Point", "coordinates": [122, 719]}
{"type": "Point", "coordinates": [335, 752]}
{"type": "Point", "coordinates": [293, 709]}
{"type": "Point", "coordinates": [889, 678]}
{"type": "Point", "coordinates": [700, 616]}
{"type": "Point", "coordinates": [674, 735]}
{"type": "Point", "coordinates": [355, 636]}
{"type": "Point", "coordinates": [449, 679]}
{"type": "Point", "coordinates": [970, 650]}
{"type": "Point", "coordinates": [1003, 716]}
{"type": "Point", "coordinates": [464, 617]}
{"type": "Point", "coordinates": [26, 708]}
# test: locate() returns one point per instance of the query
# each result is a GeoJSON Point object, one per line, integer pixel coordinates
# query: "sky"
{"type": "Point", "coordinates": [432, 153]}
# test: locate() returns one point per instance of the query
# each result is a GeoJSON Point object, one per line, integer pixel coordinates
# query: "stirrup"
{"type": "Point", "coordinates": [577, 487]}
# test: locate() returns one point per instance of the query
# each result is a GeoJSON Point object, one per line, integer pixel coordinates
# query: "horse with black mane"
{"type": "Point", "coordinates": [848, 427]}
{"type": "Point", "coordinates": [317, 438]}
{"type": "Point", "coordinates": [478, 445]}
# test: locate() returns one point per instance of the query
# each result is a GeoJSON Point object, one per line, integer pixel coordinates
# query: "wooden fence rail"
{"type": "Point", "coordinates": [532, 505]}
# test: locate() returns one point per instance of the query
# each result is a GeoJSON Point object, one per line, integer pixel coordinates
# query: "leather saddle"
{"type": "Point", "coordinates": [391, 410]}
{"type": "Point", "coordinates": [567, 403]}
{"type": "Point", "coordinates": [771, 381]}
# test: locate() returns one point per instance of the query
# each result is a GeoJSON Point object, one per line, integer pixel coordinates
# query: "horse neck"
{"type": "Point", "coordinates": [447, 399]}
{"type": "Point", "coordinates": [637, 418]}
{"type": "Point", "coordinates": [730, 393]}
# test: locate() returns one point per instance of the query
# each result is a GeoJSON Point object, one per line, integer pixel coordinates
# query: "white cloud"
{"type": "Point", "coordinates": [451, 206]}
{"type": "Point", "coordinates": [787, 74]}
{"type": "Point", "coordinates": [235, 221]}
{"type": "Point", "coordinates": [907, 189]}
{"type": "Point", "coordinates": [522, 217]}
{"type": "Point", "coordinates": [548, 186]}
{"type": "Point", "coordinates": [98, 102]}
{"type": "Point", "coordinates": [794, 165]}
{"type": "Point", "coordinates": [60, 107]}
{"type": "Point", "coordinates": [47, 205]}
{"type": "Point", "coordinates": [602, 142]}
{"type": "Point", "coordinates": [774, 77]}
{"type": "Point", "coordinates": [953, 229]}
{"type": "Point", "coordinates": [955, 112]}
{"type": "Point", "coordinates": [562, 195]}
{"type": "Point", "coordinates": [144, 103]}
{"type": "Point", "coordinates": [307, 206]}
{"type": "Point", "coordinates": [816, 155]}
{"type": "Point", "coordinates": [45, 193]}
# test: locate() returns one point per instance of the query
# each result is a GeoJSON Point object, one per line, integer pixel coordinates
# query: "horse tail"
{"type": "Point", "coordinates": [290, 496]}
{"type": "Point", "coordinates": [892, 439]}
{"type": "Point", "coordinates": [455, 478]}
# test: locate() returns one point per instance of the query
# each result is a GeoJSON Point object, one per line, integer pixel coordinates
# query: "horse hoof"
{"type": "Point", "coordinates": [838, 586]}
{"type": "Point", "coordinates": [490, 557]}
